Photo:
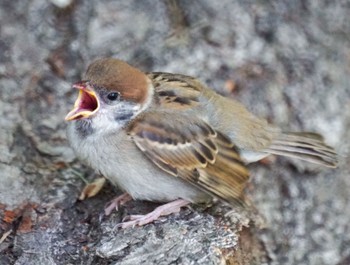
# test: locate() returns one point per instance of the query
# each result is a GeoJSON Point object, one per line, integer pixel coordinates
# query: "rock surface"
{"type": "Point", "coordinates": [287, 61]}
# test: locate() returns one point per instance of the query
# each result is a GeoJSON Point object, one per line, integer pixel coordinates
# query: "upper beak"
{"type": "Point", "coordinates": [86, 104]}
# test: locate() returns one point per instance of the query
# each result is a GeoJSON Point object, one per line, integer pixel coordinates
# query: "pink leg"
{"type": "Point", "coordinates": [165, 209]}
{"type": "Point", "coordinates": [116, 202]}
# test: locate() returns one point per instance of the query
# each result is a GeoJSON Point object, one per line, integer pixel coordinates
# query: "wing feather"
{"type": "Point", "coordinates": [189, 148]}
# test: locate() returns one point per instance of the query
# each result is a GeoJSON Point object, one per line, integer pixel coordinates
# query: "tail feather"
{"type": "Point", "coordinates": [305, 146]}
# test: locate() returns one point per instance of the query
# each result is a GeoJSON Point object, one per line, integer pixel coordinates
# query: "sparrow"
{"type": "Point", "coordinates": [167, 137]}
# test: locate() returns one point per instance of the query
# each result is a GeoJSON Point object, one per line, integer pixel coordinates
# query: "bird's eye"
{"type": "Point", "coordinates": [113, 96]}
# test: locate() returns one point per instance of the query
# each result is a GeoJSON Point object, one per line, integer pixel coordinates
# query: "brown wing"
{"type": "Point", "coordinates": [190, 149]}
{"type": "Point", "coordinates": [175, 90]}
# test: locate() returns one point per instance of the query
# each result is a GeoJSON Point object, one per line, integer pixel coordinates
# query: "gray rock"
{"type": "Point", "coordinates": [287, 61]}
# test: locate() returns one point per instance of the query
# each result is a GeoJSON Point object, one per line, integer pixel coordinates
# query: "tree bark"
{"type": "Point", "coordinates": [287, 61]}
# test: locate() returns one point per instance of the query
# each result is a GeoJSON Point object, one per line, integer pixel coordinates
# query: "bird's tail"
{"type": "Point", "coordinates": [306, 146]}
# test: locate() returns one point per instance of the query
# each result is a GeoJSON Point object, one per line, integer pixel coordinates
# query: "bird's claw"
{"type": "Point", "coordinates": [116, 202]}
{"type": "Point", "coordinates": [140, 220]}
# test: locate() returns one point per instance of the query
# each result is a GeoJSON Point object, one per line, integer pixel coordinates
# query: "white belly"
{"type": "Point", "coordinates": [120, 161]}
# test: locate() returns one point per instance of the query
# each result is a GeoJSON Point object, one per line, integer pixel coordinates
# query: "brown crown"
{"type": "Point", "coordinates": [115, 75]}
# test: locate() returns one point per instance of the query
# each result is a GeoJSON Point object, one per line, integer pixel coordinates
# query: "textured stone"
{"type": "Point", "coordinates": [287, 61]}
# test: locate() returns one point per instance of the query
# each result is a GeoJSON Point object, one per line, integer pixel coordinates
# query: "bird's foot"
{"type": "Point", "coordinates": [116, 202]}
{"type": "Point", "coordinates": [165, 209]}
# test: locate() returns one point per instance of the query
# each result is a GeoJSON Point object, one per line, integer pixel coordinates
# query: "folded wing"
{"type": "Point", "coordinates": [189, 148]}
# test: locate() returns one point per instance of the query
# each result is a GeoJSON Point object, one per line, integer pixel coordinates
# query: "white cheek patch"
{"type": "Point", "coordinates": [114, 118]}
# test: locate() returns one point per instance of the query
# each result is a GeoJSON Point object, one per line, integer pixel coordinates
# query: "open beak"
{"type": "Point", "coordinates": [86, 104]}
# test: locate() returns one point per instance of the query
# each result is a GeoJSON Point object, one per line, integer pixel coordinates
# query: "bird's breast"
{"type": "Point", "coordinates": [117, 158]}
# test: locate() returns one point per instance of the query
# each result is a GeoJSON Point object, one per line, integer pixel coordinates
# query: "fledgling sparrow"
{"type": "Point", "coordinates": [168, 138]}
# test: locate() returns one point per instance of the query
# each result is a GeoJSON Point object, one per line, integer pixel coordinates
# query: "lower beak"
{"type": "Point", "coordinates": [86, 104]}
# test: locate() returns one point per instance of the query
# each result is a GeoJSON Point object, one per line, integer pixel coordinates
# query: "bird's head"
{"type": "Point", "coordinates": [111, 94]}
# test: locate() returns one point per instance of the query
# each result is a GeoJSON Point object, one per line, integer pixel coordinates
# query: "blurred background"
{"type": "Point", "coordinates": [287, 61]}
